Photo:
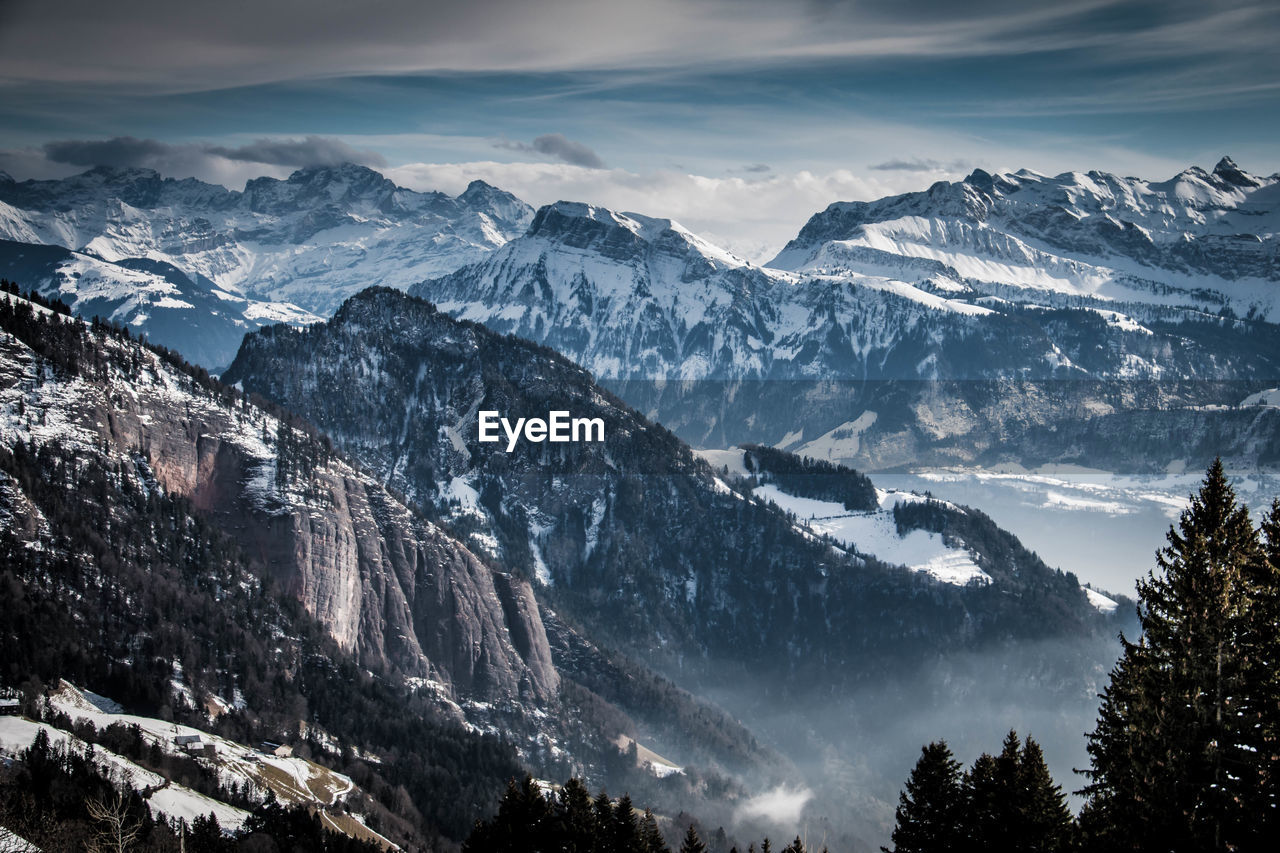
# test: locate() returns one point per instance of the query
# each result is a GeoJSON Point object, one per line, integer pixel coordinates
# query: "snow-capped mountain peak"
{"type": "Point", "coordinates": [623, 235]}
{"type": "Point", "coordinates": [1199, 239]}
{"type": "Point", "coordinates": [1228, 171]}
{"type": "Point", "coordinates": [309, 240]}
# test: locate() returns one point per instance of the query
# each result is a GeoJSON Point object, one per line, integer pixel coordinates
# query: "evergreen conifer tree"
{"type": "Point", "coordinates": [989, 809]}
{"type": "Point", "coordinates": [624, 830]}
{"type": "Point", "coordinates": [692, 843]}
{"type": "Point", "coordinates": [1259, 706]}
{"type": "Point", "coordinates": [650, 834]}
{"type": "Point", "coordinates": [929, 807]}
{"type": "Point", "coordinates": [523, 823]}
{"type": "Point", "coordinates": [577, 817]}
{"type": "Point", "coordinates": [603, 808]}
{"type": "Point", "coordinates": [1166, 752]}
{"type": "Point", "coordinates": [1045, 824]}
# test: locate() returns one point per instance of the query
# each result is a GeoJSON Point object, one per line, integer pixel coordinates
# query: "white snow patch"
{"type": "Point", "coordinates": [790, 439]}
{"type": "Point", "coordinates": [1100, 601]}
{"type": "Point", "coordinates": [11, 842]}
{"type": "Point", "coordinates": [876, 534]}
{"type": "Point", "coordinates": [842, 442]}
{"type": "Point", "coordinates": [1058, 500]}
{"type": "Point", "coordinates": [731, 459]}
{"type": "Point", "coordinates": [1269, 398]}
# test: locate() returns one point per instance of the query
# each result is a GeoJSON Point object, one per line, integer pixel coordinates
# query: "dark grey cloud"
{"type": "Point", "coordinates": [922, 165]}
{"type": "Point", "coordinates": [558, 147]}
{"type": "Point", "coordinates": [128, 151]}
{"type": "Point", "coordinates": [229, 165]}
{"type": "Point", "coordinates": [757, 168]}
{"type": "Point", "coordinates": [310, 151]}
{"type": "Point", "coordinates": [121, 152]}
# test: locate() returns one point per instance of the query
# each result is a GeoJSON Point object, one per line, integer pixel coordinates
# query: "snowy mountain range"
{"type": "Point", "coordinates": [953, 325]}
{"type": "Point", "coordinates": [999, 303]}
{"type": "Point", "coordinates": [177, 258]}
{"type": "Point", "coordinates": [1201, 239]}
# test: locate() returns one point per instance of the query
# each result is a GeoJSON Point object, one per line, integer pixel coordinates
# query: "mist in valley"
{"type": "Point", "coordinates": [852, 747]}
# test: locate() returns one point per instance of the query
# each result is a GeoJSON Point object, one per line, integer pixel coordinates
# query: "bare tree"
{"type": "Point", "coordinates": [113, 830]}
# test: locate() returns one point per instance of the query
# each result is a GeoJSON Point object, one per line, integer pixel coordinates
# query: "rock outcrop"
{"type": "Point", "coordinates": [392, 588]}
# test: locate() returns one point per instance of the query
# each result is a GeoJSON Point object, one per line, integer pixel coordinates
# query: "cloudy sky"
{"type": "Point", "coordinates": [737, 117]}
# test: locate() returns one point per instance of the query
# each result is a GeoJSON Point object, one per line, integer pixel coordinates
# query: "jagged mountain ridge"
{"type": "Point", "coordinates": [634, 298]}
{"type": "Point", "coordinates": [881, 368]}
{"type": "Point", "coordinates": [634, 537]}
{"type": "Point", "coordinates": [152, 297]}
{"type": "Point", "coordinates": [309, 241]}
{"type": "Point", "coordinates": [1200, 239]}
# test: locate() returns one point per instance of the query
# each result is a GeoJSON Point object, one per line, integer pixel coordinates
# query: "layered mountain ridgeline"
{"type": "Point", "coordinates": [1200, 239]}
{"type": "Point", "coordinates": [154, 298]}
{"type": "Point", "coordinates": [163, 255]}
{"type": "Point", "coordinates": [633, 536]}
{"type": "Point", "coordinates": [786, 618]}
{"type": "Point", "coordinates": [908, 358]}
{"type": "Point", "coordinates": [172, 544]}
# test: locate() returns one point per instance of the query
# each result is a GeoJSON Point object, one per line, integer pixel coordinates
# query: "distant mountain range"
{"type": "Point", "coordinates": [957, 325]}
{"type": "Point", "coordinates": [932, 327]}
{"type": "Point", "coordinates": [195, 265]}
{"type": "Point", "coordinates": [1205, 240]}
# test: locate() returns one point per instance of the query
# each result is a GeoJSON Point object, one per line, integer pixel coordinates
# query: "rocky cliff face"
{"type": "Point", "coordinates": [633, 536]}
{"type": "Point", "coordinates": [392, 589]}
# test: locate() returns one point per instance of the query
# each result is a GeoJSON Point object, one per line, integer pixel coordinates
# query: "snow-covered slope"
{"type": "Point", "coordinates": [308, 241]}
{"type": "Point", "coordinates": [172, 800]}
{"type": "Point", "coordinates": [254, 774]}
{"type": "Point", "coordinates": [152, 298]}
{"type": "Point", "coordinates": [873, 362]}
{"type": "Point", "coordinates": [1201, 239]}
{"type": "Point", "coordinates": [633, 297]}
{"type": "Point", "coordinates": [946, 541]}
{"type": "Point", "coordinates": [876, 534]}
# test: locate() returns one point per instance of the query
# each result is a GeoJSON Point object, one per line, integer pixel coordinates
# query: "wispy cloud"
{"type": "Point", "coordinates": [188, 47]}
{"type": "Point", "coordinates": [751, 215]}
